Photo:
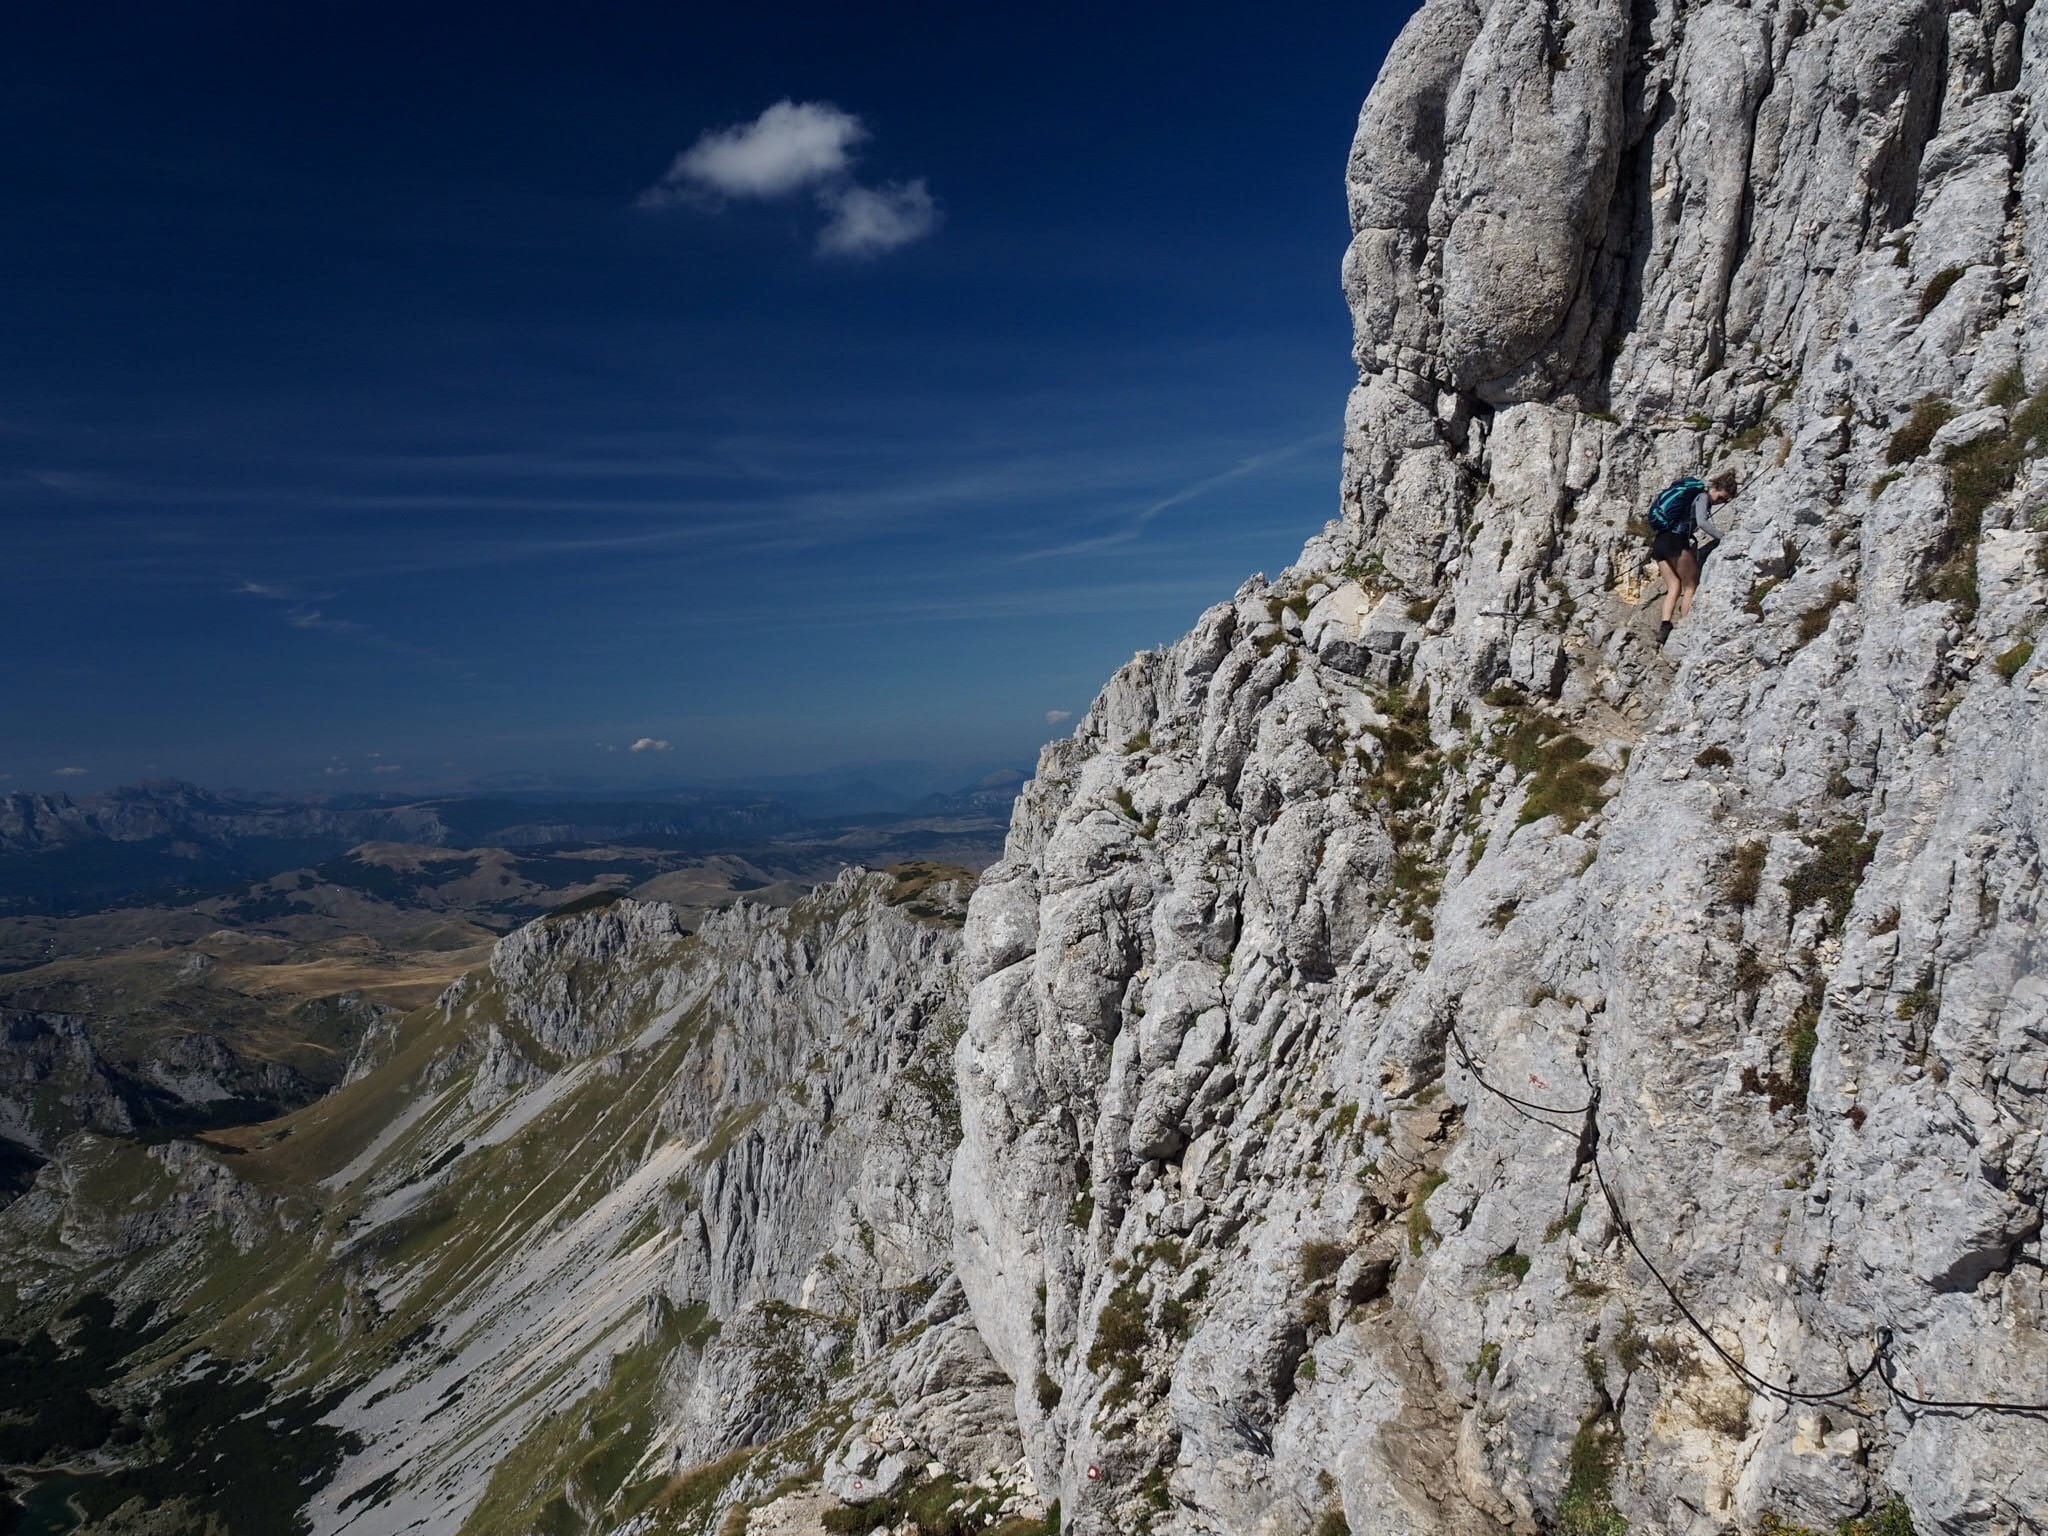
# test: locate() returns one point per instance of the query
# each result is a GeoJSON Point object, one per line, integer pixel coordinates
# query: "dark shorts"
{"type": "Point", "coordinates": [1669, 546]}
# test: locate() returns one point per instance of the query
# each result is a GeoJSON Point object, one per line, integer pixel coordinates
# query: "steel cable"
{"type": "Point", "coordinates": [1881, 1355]}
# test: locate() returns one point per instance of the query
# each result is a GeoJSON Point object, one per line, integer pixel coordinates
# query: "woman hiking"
{"type": "Point", "coordinates": [1684, 510]}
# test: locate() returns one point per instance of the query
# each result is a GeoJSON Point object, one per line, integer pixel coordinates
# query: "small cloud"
{"type": "Point", "coordinates": [334, 770]}
{"type": "Point", "coordinates": [648, 744]}
{"type": "Point", "coordinates": [866, 221]}
{"type": "Point", "coordinates": [265, 589]}
{"type": "Point", "coordinates": [389, 768]}
{"type": "Point", "coordinates": [792, 145]}
{"type": "Point", "coordinates": [604, 746]}
{"type": "Point", "coordinates": [309, 617]}
{"type": "Point", "coordinates": [1058, 716]}
{"type": "Point", "coordinates": [72, 773]}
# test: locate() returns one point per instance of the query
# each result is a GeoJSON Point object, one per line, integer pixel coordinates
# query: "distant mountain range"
{"type": "Point", "coordinates": [170, 841]}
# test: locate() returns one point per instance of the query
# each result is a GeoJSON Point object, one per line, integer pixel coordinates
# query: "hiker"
{"type": "Point", "coordinates": [1681, 512]}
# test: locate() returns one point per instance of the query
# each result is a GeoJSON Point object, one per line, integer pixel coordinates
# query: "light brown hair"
{"type": "Point", "coordinates": [1725, 483]}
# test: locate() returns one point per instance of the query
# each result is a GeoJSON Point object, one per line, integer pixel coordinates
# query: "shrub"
{"type": "Point", "coordinates": [2011, 661]}
{"type": "Point", "coordinates": [1744, 876]}
{"type": "Point", "coordinates": [1121, 1335]}
{"type": "Point", "coordinates": [1333, 1523]}
{"type": "Point", "coordinates": [1911, 440]}
{"type": "Point", "coordinates": [1751, 974]}
{"type": "Point", "coordinates": [1715, 757]}
{"type": "Point", "coordinates": [1885, 482]}
{"type": "Point", "coordinates": [942, 1507]}
{"type": "Point", "coordinates": [1049, 1393]}
{"type": "Point", "coordinates": [1487, 1363]}
{"type": "Point", "coordinates": [1831, 877]}
{"type": "Point", "coordinates": [1321, 1258]}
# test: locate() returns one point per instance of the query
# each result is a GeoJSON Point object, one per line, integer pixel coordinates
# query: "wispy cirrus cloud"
{"type": "Point", "coordinates": [1138, 521]}
{"type": "Point", "coordinates": [71, 773]}
{"type": "Point", "coordinates": [796, 146]}
{"type": "Point", "coordinates": [303, 611]}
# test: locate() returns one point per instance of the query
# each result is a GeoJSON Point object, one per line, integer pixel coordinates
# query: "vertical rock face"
{"type": "Point", "coordinates": [1235, 1208]}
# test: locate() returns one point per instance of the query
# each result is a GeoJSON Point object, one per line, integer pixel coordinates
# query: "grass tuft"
{"type": "Point", "coordinates": [1912, 440]}
{"type": "Point", "coordinates": [1588, 1505]}
{"type": "Point", "coordinates": [2010, 662]}
{"type": "Point", "coordinates": [1814, 622]}
{"type": "Point", "coordinates": [1420, 1228]}
{"type": "Point", "coordinates": [1321, 1258]}
{"type": "Point", "coordinates": [1743, 878]}
{"type": "Point", "coordinates": [1937, 289]}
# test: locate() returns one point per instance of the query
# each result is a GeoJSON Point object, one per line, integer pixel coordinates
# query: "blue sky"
{"type": "Point", "coordinates": [417, 391]}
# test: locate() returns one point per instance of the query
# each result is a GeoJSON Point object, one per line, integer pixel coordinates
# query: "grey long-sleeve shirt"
{"type": "Point", "coordinates": [1703, 517]}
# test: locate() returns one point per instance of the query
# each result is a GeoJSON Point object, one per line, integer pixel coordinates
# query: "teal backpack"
{"type": "Point", "coordinates": [1671, 512]}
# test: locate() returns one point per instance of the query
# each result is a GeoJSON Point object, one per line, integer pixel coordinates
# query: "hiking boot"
{"type": "Point", "coordinates": [1663, 632]}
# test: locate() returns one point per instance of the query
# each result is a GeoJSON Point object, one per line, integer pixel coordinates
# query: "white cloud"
{"type": "Point", "coordinates": [793, 144]}
{"type": "Point", "coordinates": [388, 767]}
{"type": "Point", "coordinates": [334, 769]}
{"type": "Point", "coordinates": [1058, 716]}
{"type": "Point", "coordinates": [649, 744]}
{"type": "Point", "coordinates": [72, 773]}
{"type": "Point", "coordinates": [866, 221]}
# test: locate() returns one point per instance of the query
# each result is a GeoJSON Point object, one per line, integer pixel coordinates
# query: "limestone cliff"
{"type": "Point", "coordinates": [1236, 1211]}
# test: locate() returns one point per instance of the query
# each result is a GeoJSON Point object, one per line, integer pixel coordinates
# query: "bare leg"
{"type": "Point", "coordinates": [1672, 584]}
{"type": "Point", "coordinates": [1688, 582]}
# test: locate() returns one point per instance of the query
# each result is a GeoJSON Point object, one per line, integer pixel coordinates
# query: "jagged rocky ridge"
{"type": "Point", "coordinates": [628, 1203]}
{"type": "Point", "coordinates": [1774, 894]}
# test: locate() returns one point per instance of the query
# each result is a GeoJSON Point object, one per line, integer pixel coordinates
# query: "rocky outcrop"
{"type": "Point", "coordinates": [1235, 1210]}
